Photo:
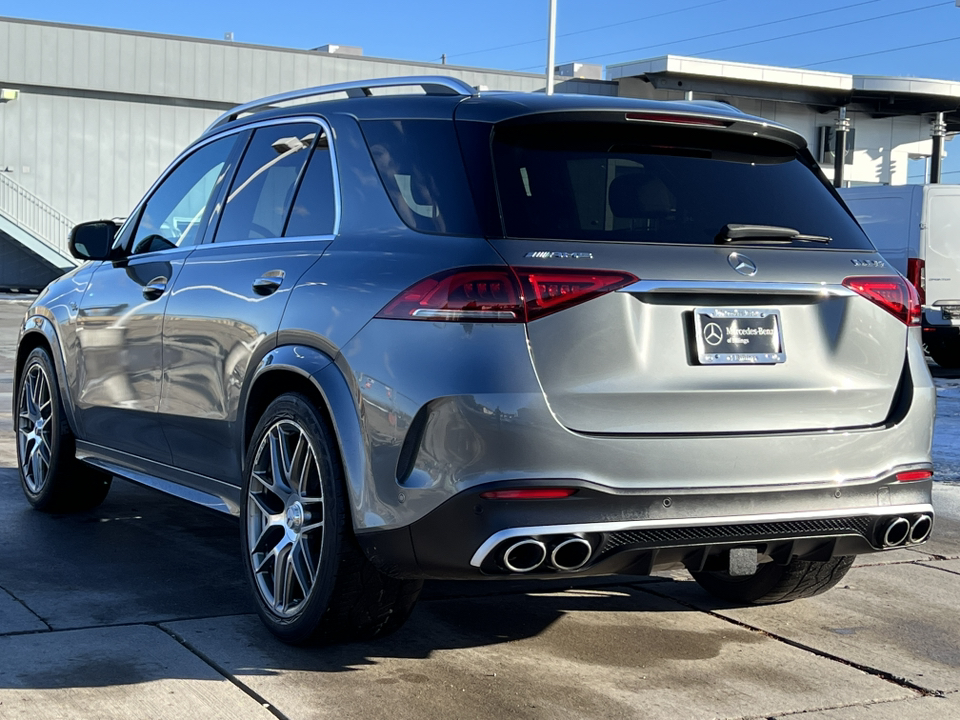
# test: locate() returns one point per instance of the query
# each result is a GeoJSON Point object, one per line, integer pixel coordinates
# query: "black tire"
{"type": "Point", "coordinates": [347, 598]}
{"type": "Point", "coordinates": [773, 583]}
{"type": "Point", "coordinates": [946, 356]}
{"type": "Point", "coordinates": [51, 476]}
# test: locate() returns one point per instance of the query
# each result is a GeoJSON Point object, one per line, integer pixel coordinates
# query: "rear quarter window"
{"type": "Point", "coordinates": [421, 168]}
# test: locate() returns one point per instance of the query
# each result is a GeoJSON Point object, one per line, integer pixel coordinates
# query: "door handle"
{"type": "Point", "coordinates": [155, 288]}
{"type": "Point", "coordinates": [268, 283]}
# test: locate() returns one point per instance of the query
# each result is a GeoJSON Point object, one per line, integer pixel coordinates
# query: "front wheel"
{"type": "Point", "coordinates": [51, 477]}
{"type": "Point", "coordinates": [773, 583]}
{"type": "Point", "coordinates": [310, 579]}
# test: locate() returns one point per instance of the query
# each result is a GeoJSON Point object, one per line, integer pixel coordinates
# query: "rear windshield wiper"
{"type": "Point", "coordinates": [764, 234]}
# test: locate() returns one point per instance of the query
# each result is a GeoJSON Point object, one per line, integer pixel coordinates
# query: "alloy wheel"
{"type": "Point", "coordinates": [285, 518]}
{"type": "Point", "coordinates": [34, 428]}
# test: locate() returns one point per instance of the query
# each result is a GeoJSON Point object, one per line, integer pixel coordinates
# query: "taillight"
{"type": "Point", "coordinates": [917, 275]}
{"type": "Point", "coordinates": [892, 293]}
{"type": "Point", "coordinates": [528, 494]}
{"type": "Point", "coordinates": [500, 294]}
{"type": "Point", "coordinates": [914, 475]}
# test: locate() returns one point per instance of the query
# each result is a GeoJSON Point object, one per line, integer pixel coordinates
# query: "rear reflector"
{"type": "Point", "coordinates": [678, 119]}
{"type": "Point", "coordinates": [914, 475]}
{"type": "Point", "coordinates": [892, 293]}
{"type": "Point", "coordinates": [528, 494]}
{"type": "Point", "coordinates": [500, 294]}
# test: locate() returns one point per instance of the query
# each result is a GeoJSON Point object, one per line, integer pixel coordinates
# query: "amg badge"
{"type": "Point", "coordinates": [548, 255]}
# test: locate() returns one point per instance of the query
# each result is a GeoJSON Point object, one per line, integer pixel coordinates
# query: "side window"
{"type": "Point", "coordinates": [263, 187]}
{"type": "Point", "coordinates": [314, 210]}
{"type": "Point", "coordinates": [174, 214]}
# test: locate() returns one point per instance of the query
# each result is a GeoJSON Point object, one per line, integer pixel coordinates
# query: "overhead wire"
{"type": "Point", "coordinates": [724, 32]}
{"type": "Point", "coordinates": [883, 52]}
{"type": "Point", "coordinates": [594, 29]}
{"type": "Point", "coordinates": [832, 27]}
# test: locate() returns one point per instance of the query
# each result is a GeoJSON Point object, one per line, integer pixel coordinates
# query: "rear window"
{"type": "Point", "coordinates": [626, 182]}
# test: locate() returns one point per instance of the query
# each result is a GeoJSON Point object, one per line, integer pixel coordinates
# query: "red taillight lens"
{"type": "Point", "coordinates": [500, 294]}
{"type": "Point", "coordinates": [914, 475]}
{"type": "Point", "coordinates": [546, 291]}
{"type": "Point", "coordinates": [469, 295]}
{"type": "Point", "coordinates": [916, 274]}
{"type": "Point", "coordinates": [892, 293]}
{"type": "Point", "coordinates": [528, 494]}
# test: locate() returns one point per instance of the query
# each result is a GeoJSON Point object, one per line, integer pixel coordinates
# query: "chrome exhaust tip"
{"type": "Point", "coordinates": [920, 529]}
{"type": "Point", "coordinates": [571, 554]}
{"type": "Point", "coordinates": [524, 556]}
{"type": "Point", "coordinates": [895, 532]}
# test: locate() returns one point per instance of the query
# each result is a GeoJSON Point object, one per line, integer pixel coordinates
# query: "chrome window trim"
{"type": "Point", "coordinates": [190, 149]}
{"type": "Point", "coordinates": [735, 287]}
{"type": "Point", "coordinates": [480, 555]}
{"type": "Point", "coordinates": [267, 241]}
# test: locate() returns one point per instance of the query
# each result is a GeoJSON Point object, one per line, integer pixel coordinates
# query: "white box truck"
{"type": "Point", "coordinates": [917, 230]}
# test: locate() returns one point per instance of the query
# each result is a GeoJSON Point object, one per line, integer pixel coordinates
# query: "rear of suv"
{"type": "Point", "coordinates": [464, 335]}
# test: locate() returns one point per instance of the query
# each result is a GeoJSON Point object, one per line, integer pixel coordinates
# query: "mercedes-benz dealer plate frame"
{"type": "Point", "coordinates": [739, 336]}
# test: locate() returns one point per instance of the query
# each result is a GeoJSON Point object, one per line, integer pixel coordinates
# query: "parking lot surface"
{"type": "Point", "coordinates": [138, 610]}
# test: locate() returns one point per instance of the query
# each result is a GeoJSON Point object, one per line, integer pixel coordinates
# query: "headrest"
{"type": "Point", "coordinates": [640, 195]}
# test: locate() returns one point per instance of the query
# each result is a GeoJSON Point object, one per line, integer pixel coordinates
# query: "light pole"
{"type": "Point", "coordinates": [551, 39]}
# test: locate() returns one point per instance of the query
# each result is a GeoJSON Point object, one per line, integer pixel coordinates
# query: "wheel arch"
{"type": "Point", "coordinates": [311, 372]}
{"type": "Point", "coordinates": [40, 332]}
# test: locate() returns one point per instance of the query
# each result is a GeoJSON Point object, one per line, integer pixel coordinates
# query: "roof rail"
{"type": "Point", "coordinates": [431, 84]}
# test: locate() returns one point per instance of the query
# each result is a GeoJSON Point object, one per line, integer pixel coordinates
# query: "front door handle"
{"type": "Point", "coordinates": [268, 283]}
{"type": "Point", "coordinates": [155, 288]}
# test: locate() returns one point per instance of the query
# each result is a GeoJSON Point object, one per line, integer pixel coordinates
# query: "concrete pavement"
{"type": "Point", "coordinates": [137, 609]}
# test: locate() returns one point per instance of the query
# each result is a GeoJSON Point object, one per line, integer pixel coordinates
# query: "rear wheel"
{"type": "Point", "coordinates": [311, 581]}
{"type": "Point", "coordinates": [51, 477]}
{"type": "Point", "coordinates": [773, 583]}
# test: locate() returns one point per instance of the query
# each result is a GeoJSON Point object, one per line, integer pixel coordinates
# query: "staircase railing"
{"type": "Point", "coordinates": [40, 219]}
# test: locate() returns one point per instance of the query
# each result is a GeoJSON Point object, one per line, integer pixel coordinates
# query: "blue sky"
{"type": "Point", "coordinates": [510, 34]}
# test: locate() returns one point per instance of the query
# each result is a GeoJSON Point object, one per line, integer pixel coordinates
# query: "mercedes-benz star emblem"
{"type": "Point", "coordinates": [712, 334]}
{"type": "Point", "coordinates": [742, 264]}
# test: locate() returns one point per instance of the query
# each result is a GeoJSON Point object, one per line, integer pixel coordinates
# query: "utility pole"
{"type": "Point", "coordinates": [551, 41]}
{"type": "Point", "coordinates": [840, 146]}
{"type": "Point", "coordinates": [938, 131]}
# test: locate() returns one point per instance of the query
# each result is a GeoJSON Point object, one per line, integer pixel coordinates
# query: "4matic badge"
{"type": "Point", "coordinates": [868, 263]}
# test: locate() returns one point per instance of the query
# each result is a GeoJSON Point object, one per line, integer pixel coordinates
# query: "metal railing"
{"type": "Point", "coordinates": [40, 219]}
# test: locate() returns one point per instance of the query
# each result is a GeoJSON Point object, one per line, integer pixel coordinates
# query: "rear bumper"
{"type": "Point", "coordinates": [635, 533]}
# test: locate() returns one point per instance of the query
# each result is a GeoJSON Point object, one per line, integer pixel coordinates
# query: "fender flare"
{"type": "Point", "coordinates": [331, 382]}
{"type": "Point", "coordinates": [43, 326]}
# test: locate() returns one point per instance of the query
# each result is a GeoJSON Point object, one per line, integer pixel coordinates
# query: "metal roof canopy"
{"type": "Point", "coordinates": [879, 96]}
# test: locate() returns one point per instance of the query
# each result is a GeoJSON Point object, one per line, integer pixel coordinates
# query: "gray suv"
{"type": "Point", "coordinates": [406, 330]}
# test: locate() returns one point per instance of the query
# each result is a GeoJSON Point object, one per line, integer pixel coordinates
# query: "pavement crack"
{"type": "Point", "coordinates": [27, 608]}
{"type": "Point", "coordinates": [941, 569]}
{"type": "Point", "coordinates": [876, 672]}
{"type": "Point", "coordinates": [227, 675]}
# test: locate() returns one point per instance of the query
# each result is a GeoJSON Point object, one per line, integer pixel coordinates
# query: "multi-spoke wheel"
{"type": "Point", "coordinates": [51, 477]}
{"type": "Point", "coordinates": [310, 579]}
{"type": "Point", "coordinates": [285, 517]}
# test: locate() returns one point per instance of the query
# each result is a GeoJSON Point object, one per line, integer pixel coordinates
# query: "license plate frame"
{"type": "Point", "coordinates": [739, 336]}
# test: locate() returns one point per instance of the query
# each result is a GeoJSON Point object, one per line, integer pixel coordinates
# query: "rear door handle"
{"type": "Point", "coordinates": [155, 288]}
{"type": "Point", "coordinates": [268, 283]}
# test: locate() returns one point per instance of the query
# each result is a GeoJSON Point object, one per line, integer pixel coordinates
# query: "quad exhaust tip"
{"type": "Point", "coordinates": [525, 555]}
{"type": "Point", "coordinates": [571, 554]}
{"type": "Point", "coordinates": [905, 531]}
{"type": "Point", "coordinates": [920, 529]}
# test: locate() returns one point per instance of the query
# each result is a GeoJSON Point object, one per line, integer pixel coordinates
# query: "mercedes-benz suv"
{"type": "Point", "coordinates": [404, 329]}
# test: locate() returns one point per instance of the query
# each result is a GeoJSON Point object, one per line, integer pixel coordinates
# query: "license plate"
{"type": "Point", "coordinates": [739, 336]}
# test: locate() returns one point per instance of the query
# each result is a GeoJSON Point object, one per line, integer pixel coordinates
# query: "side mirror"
{"type": "Point", "coordinates": [93, 240]}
